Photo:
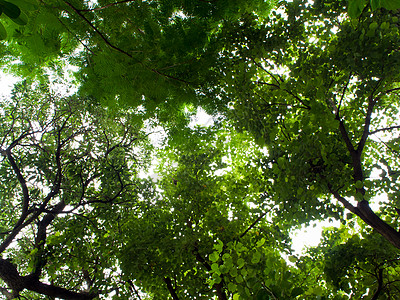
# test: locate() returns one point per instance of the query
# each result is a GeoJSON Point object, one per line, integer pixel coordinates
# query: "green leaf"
{"type": "Point", "coordinates": [375, 4]}
{"type": "Point", "coordinates": [390, 4]}
{"type": "Point", "coordinates": [21, 20]}
{"type": "Point", "coordinates": [232, 287]}
{"type": "Point", "coordinates": [256, 257]}
{"type": "Point", "coordinates": [261, 242]}
{"type": "Point", "coordinates": [240, 263]}
{"type": "Point", "coordinates": [355, 7]}
{"type": "Point", "coordinates": [11, 10]}
{"type": "Point", "coordinates": [3, 32]}
{"type": "Point", "coordinates": [214, 257]}
{"type": "Point", "coordinates": [239, 279]}
{"type": "Point", "coordinates": [359, 184]}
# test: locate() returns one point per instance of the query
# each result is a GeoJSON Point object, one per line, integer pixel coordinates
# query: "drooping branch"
{"type": "Point", "coordinates": [103, 37]}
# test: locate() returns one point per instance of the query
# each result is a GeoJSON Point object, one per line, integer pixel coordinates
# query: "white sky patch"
{"type": "Point", "coordinates": [310, 236]}
{"type": "Point", "coordinates": [201, 118]}
{"type": "Point", "coordinates": [6, 84]}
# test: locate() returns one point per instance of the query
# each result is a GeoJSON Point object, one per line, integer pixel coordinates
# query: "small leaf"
{"type": "Point", "coordinates": [215, 267]}
{"type": "Point", "coordinates": [256, 257]}
{"type": "Point", "coordinates": [214, 257]}
{"type": "Point", "coordinates": [232, 287]}
{"type": "Point", "coordinates": [240, 262]}
{"type": "Point", "coordinates": [359, 184]}
{"type": "Point", "coordinates": [239, 279]}
{"type": "Point", "coordinates": [260, 242]}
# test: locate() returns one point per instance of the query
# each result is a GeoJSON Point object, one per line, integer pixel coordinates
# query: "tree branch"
{"type": "Point", "coordinates": [171, 289]}
{"type": "Point", "coordinates": [106, 6]}
{"type": "Point", "coordinates": [343, 93]}
{"type": "Point", "coordinates": [364, 211]}
{"type": "Point", "coordinates": [385, 129]}
{"type": "Point", "coordinates": [218, 286]}
{"type": "Point", "coordinates": [22, 182]}
{"type": "Point", "coordinates": [367, 123]}
{"type": "Point", "coordinates": [41, 237]}
{"type": "Point", "coordinates": [345, 203]}
{"type": "Point", "coordinates": [98, 31]}
{"type": "Point", "coordinates": [380, 285]}
{"type": "Point", "coordinates": [10, 275]}
{"type": "Point", "coordinates": [253, 224]}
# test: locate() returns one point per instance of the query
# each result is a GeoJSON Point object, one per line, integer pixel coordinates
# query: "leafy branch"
{"type": "Point", "coordinates": [106, 6]}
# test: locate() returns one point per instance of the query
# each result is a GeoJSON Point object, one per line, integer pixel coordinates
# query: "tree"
{"type": "Point", "coordinates": [153, 54]}
{"type": "Point", "coordinates": [200, 237]}
{"type": "Point", "coordinates": [315, 96]}
{"type": "Point", "coordinates": [353, 263]}
{"type": "Point", "coordinates": [68, 178]}
{"type": "Point", "coordinates": [315, 88]}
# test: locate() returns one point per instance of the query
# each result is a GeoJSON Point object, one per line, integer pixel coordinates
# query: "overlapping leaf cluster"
{"type": "Point", "coordinates": [305, 104]}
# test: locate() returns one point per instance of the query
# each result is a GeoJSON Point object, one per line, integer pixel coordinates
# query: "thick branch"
{"type": "Point", "coordinates": [367, 123]}
{"type": "Point", "coordinates": [345, 136]}
{"type": "Point", "coordinates": [364, 211]}
{"type": "Point", "coordinates": [22, 182]}
{"type": "Point", "coordinates": [171, 288]}
{"type": "Point", "coordinates": [41, 237]}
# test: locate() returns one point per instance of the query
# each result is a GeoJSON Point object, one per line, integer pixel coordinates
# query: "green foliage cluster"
{"type": "Point", "coordinates": [305, 106]}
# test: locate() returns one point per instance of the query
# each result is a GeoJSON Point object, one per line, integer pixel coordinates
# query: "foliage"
{"type": "Point", "coordinates": [355, 264]}
{"type": "Point", "coordinates": [68, 179]}
{"type": "Point", "coordinates": [203, 232]}
{"type": "Point", "coordinates": [316, 99]}
{"type": "Point", "coordinates": [305, 104]}
{"type": "Point", "coordinates": [14, 13]}
{"type": "Point", "coordinates": [356, 7]}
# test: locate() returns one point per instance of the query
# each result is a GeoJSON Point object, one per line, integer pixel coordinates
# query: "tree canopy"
{"type": "Point", "coordinates": [304, 98]}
